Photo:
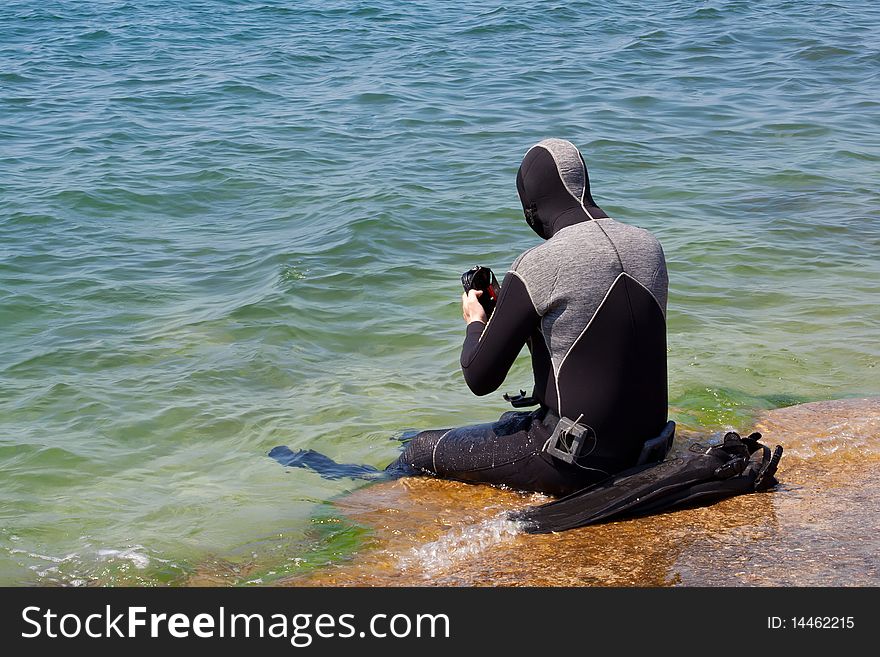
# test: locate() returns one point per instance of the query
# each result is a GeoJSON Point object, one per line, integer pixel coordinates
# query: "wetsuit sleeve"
{"type": "Point", "coordinates": [487, 355]}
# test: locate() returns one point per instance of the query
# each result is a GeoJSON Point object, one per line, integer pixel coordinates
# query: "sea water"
{"type": "Point", "coordinates": [226, 226]}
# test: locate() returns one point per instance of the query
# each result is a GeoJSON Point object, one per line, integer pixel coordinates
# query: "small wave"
{"type": "Point", "coordinates": [95, 35]}
{"type": "Point", "coordinates": [706, 13]}
{"type": "Point", "coordinates": [844, 440]}
{"type": "Point", "coordinates": [247, 90]}
{"type": "Point", "coordinates": [818, 53]}
{"type": "Point", "coordinates": [843, 428]}
{"type": "Point", "coordinates": [134, 554]}
{"type": "Point", "coordinates": [500, 26]}
{"type": "Point", "coordinates": [44, 557]}
{"type": "Point", "coordinates": [375, 97]}
{"type": "Point", "coordinates": [14, 77]}
{"type": "Point", "coordinates": [93, 566]}
{"type": "Point", "coordinates": [461, 543]}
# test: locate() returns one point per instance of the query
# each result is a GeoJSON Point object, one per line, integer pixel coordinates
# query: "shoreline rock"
{"type": "Point", "coordinates": [817, 528]}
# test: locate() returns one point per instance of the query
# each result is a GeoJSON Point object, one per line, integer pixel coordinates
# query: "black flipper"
{"type": "Point", "coordinates": [737, 466]}
{"type": "Point", "coordinates": [323, 465]}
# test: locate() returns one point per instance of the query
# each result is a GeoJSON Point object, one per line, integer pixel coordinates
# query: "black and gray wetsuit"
{"type": "Point", "coordinates": [590, 304]}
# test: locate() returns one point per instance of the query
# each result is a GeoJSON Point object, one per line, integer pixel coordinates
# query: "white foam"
{"type": "Point", "coordinates": [138, 559]}
{"type": "Point", "coordinates": [44, 557]}
{"type": "Point", "coordinates": [461, 543]}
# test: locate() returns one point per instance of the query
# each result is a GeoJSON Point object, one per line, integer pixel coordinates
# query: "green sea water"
{"type": "Point", "coordinates": [226, 226]}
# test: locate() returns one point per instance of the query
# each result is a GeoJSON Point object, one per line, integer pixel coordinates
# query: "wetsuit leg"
{"type": "Point", "coordinates": [509, 451]}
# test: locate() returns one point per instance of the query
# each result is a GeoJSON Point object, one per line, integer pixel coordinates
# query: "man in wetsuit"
{"type": "Point", "coordinates": [590, 304]}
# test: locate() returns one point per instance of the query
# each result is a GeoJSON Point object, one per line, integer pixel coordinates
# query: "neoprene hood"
{"type": "Point", "coordinates": [554, 187]}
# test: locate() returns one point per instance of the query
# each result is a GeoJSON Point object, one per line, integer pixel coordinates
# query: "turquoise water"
{"type": "Point", "coordinates": [226, 226]}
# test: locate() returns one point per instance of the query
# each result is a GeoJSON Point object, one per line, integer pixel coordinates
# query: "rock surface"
{"type": "Point", "coordinates": [818, 527]}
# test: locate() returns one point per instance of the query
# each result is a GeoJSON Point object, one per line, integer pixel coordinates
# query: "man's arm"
{"type": "Point", "coordinates": [489, 352]}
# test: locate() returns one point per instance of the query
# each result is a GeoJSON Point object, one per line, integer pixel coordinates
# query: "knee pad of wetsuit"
{"type": "Point", "coordinates": [418, 455]}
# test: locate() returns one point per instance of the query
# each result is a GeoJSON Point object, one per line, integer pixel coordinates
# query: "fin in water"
{"type": "Point", "coordinates": [323, 465]}
{"type": "Point", "coordinates": [737, 466]}
{"type": "Point", "coordinates": [406, 436]}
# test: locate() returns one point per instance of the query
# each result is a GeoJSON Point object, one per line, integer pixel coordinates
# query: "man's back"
{"type": "Point", "coordinates": [600, 289]}
{"type": "Point", "coordinates": [569, 275]}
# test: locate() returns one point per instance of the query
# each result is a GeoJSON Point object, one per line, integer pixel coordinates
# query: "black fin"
{"type": "Point", "coordinates": [718, 472]}
{"type": "Point", "coordinates": [323, 465]}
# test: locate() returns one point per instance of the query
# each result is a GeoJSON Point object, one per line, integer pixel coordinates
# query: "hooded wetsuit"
{"type": "Point", "coordinates": [590, 304]}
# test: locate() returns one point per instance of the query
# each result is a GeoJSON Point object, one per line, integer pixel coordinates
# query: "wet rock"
{"type": "Point", "coordinates": [819, 527]}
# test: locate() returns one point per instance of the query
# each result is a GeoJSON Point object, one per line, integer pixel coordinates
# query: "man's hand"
{"type": "Point", "coordinates": [471, 309]}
